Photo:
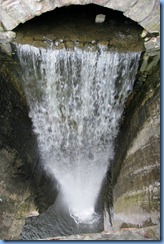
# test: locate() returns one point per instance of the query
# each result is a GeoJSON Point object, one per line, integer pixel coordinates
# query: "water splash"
{"type": "Point", "coordinates": [76, 99]}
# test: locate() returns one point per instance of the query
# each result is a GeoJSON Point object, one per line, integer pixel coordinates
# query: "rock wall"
{"type": "Point", "coordinates": [17, 152]}
{"type": "Point", "coordinates": [136, 169]}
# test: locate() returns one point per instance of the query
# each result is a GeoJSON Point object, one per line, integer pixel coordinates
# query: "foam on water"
{"type": "Point", "coordinates": [76, 100]}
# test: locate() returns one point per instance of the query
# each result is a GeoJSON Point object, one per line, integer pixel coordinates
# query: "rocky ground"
{"type": "Point", "coordinates": [147, 233]}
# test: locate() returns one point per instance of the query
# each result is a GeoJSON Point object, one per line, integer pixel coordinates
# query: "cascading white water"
{"type": "Point", "coordinates": [76, 99]}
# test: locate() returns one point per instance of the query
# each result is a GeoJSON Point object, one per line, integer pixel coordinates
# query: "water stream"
{"type": "Point", "coordinates": [76, 100]}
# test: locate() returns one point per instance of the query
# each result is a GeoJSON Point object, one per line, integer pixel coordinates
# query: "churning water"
{"type": "Point", "coordinates": [76, 99]}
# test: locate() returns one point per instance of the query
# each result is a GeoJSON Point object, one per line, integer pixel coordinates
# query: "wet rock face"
{"type": "Point", "coordinates": [16, 201]}
{"type": "Point", "coordinates": [16, 128]}
{"type": "Point", "coordinates": [17, 153]}
{"type": "Point", "coordinates": [137, 188]}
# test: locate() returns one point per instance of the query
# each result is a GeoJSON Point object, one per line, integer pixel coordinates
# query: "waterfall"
{"type": "Point", "coordinates": [76, 99]}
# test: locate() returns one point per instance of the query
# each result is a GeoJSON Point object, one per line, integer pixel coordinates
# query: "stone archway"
{"type": "Point", "coordinates": [146, 13]}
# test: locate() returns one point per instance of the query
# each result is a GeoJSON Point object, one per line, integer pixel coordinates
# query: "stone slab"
{"type": "Point", "coordinates": [139, 11]}
{"type": "Point", "coordinates": [153, 44]}
{"type": "Point", "coordinates": [152, 22]}
{"type": "Point", "coordinates": [18, 10]}
{"type": "Point", "coordinates": [120, 5]}
{"type": "Point", "coordinates": [7, 21]}
{"type": "Point", "coordinates": [7, 36]}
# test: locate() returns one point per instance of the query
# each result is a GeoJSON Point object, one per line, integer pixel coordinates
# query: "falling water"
{"type": "Point", "coordinates": [76, 99]}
